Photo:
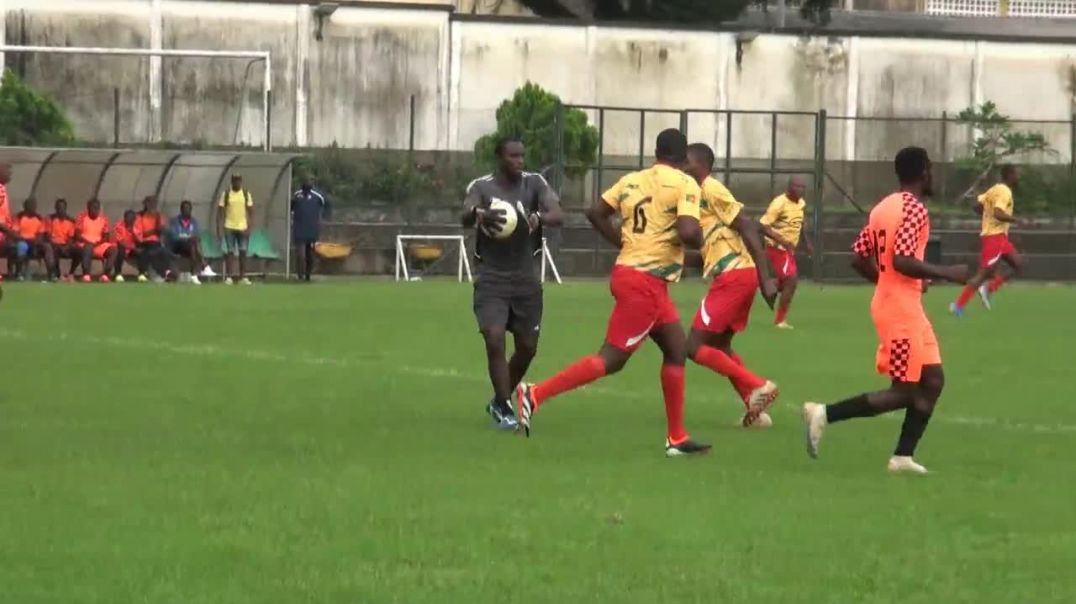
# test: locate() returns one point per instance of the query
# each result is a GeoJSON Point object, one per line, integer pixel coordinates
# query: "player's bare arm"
{"type": "Point", "coordinates": [910, 266]}
{"type": "Point", "coordinates": [866, 268]}
{"type": "Point", "coordinates": [773, 234]}
{"type": "Point", "coordinates": [600, 215]}
{"type": "Point", "coordinates": [1003, 216]}
{"type": "Point", "coordinates": [551, 214]}
{"type": "Point", "coordinates": [751, 232]}
{"type": "Point", "coordinates": [689, 231]}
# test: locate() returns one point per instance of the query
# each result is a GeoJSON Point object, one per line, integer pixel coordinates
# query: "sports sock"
{"type": "Point", "coordinates": [579, 373]}
{"type": "Point", "coordinates": [742, 379]}
{"type": "Point", "coordinates": [672, 385]}
{"type": "Point", "coordinates": [736, 358]}
{"type": "Point", "coordinates": [744, 390]}
{"type": "Point", "coordinates": [915, 423]}
{"type": "Point", "coordinates": [996, 283]}
{"type": "Point", "coordinates": [857, 406]}
{"type": "Point", "coordinates": [965, 295]}
{"type": "Point", "coordinates": [782, 312]}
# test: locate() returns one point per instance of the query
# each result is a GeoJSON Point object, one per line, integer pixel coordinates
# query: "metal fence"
{"type": "Point", "coordinates": [848, 164]}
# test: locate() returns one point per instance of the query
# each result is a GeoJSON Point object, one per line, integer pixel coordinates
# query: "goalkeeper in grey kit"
{"type": "Point", "coordinates": [508, 289]}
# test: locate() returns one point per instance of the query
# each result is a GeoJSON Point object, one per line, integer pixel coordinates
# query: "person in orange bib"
{"type": "Point", "coordinates": [7, 230]}
{"type": "Point", "coordinates": [92, 239]}
{"type": "Point", "coordinates": [60, 242]}
{"type": "Point", "coordinates": [30, 242]}
{"type": "Point", "coordinates": [889, 253]}
{"type": "Point", "coordinates": [151, 225]}
{"type": "Point", "coordinates": [125, 235]}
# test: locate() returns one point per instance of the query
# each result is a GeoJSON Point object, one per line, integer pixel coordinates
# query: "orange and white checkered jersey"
{"type": "Point", "coordinates": [649, 202]}
{"type": "Point", "coordinates": [786, 217]}
{"type": "Point", "coordinates": [723, 248]}
{"type": "Point", "coordinates": [998, 196]}
{"type": "Point", "coordinates": [898, 226]}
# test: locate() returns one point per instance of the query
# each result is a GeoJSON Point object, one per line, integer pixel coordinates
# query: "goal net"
{"type": "Point", "coordinates": [420, 256]}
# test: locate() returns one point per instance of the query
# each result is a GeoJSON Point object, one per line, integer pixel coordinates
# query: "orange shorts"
{"type": "Point", "coordinates": [904, 347]}
{"type": "Point", "coordinates": [100, 249]}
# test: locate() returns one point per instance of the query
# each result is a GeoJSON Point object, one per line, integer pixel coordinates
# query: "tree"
{"type": "Point", "coordinates": [28, 117]}
{"type": "Point", "coordinates": [531, 116]}
{"type": "Point", "coordinates": [995, 142]}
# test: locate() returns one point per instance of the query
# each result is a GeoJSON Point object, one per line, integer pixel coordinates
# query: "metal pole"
{"type": "Point", "coordinates": [559, 146]}
{"type": "Point", "coordinates": [411, 144]}
{"type": "Point", "coordinates": [944, 154]}
{"type": "Point", "coordinates": [773, 152]}
{"type": "Point", "coordinates": [781, 11]}
{"type": "Point", "coordinates": [683, 122]}
{"type": "Point", "coordinates": [642, 135]}
{"type": "Point", "coordinates": [115, 117]}
{"type": "Point", "coordinates": [819, 189]}
{"type": "Point", "coordinates": [267, 106]}
{"type": "Point", "coordinates": [597, 185]}
{"type": "Point", "coordinates": [728, 148]}
{"type": "Point", "coordinates": [1072, 160]}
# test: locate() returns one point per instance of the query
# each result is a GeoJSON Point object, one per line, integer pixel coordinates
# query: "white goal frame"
{"type": "Point", "coordinates": [255, 55]}
{"type": "Point", "coordinates": [464, 265]}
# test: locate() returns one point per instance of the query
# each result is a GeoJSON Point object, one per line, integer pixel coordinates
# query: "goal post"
{"type": "Point", "coordinates": [254, 55]}
{"type": "Point", "coordinates": [406, 251]}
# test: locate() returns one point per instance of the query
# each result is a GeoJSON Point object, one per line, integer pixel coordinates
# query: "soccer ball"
{"type": "Point", "coordinates": [511, 217]}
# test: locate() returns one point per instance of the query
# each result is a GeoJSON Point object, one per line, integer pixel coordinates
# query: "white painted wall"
{"type": "Point", "coordinates": [353, 87]}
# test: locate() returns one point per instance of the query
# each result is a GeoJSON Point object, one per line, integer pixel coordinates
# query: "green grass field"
{"type": "Point", "coordinates": [327, 444]}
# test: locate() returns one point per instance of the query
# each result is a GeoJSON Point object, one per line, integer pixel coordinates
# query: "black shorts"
{"type": "Point", "coordinates": [182, 248]}
{"type": "Point", "coordinates": [517, 310]}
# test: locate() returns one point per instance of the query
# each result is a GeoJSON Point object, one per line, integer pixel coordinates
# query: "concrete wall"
{"type": "Point", "coordinates": [354, 86]}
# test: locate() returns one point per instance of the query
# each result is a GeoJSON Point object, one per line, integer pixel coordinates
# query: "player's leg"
{"type": "Point", "coordinates": [491, 310]}
{"type": "Point", "coordinates": [108, 255]}
{"type": "Point", "coordinates": [51, 264]}
{"type": "Point", "coordinates": [669, 337]}
{"type": "Point", "coordinates": [916, 417]}
{"type": "Point", "coordinates": [309, 245]}
{"type": "Point", "coordinates": [636, 310]}
{"type": "Point", "coordinates": [86, 253]}
{"type": "Point", "coordinates": [242, 242]}
{"type": "Point", "coordinates": [121, 256]}
{"type": "Point", "coordinates": [1016, 265]}
{"type": "Point", "coordinates": [525, 323]}
{"type": "Point", "coordinates": [788, 291]}
{"type": "Point", "coordinates": [229, 256]}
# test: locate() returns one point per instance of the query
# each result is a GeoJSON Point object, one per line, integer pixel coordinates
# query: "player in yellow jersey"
{"type": "Point", "coordinates": [783, 225]}
{"type": "Point", "coordinates": [734, 259]}
{"type": "Point", "coordinates": [996, 206]}
{"type": "Point", "coordinates": [659, 211]}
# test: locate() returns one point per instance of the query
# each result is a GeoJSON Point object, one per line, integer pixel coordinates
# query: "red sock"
{"type": "Point", "coordinates": [672, 385]}
{"type": "Point", "coordinates": [742, 379]}
{"type": "Point", "coordinates": [996, 283]}
{"type": "Point", "coordinates": [782, 312]}
{"type": "Point", "coordinates": [579, 373]}
{"type": "Point", "coordinates": [741, 388]}
{"type": "Point", "coordinates": [965, 295]}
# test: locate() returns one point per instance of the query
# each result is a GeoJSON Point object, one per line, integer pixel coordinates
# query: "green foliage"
{"type": "Point", "coordinates": [531, 116]}
{"type": "Point", "coordinates": [995, 142]}
{"type": "Point", "coordinates": [29, 118]}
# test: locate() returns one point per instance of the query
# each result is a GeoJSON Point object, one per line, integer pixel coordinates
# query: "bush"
{"type": "Point", "coordinates": [29, 118]}
{"type": "Point", "coordinates": [531, 116]}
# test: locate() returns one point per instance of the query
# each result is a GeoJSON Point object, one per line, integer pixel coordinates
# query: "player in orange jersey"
{"type": "Point", "coordinates": [889, 252]}
{"type": "Point", "coordinates": [7, 230]}
{"type": "Point", "coordinates": [30, 238]}
{"type": "Point", "coordinates": [996, 207]}
{"type": "Point", "coordinates": [734, 259]}
{"type": "Point", "coordinates": [125, 235]}
{"type": "Point", "coordinates": [92, 239]}
{"type": "Point", "coordinates": [659, 208]}
{"type": "Point", "coordinates": [783, 225]}
{"type": "Point", "coordinates": [60, 235]}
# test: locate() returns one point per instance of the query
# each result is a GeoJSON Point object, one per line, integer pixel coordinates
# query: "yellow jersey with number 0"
{"type": "Point", "coordinates": [649, 202]}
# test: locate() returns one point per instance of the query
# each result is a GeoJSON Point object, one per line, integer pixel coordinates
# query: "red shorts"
{"type": "Point", "coordinates": [783, 262]}
{"type": "Point", "coordinates": [727, 305]}
{"type": "Point", "coordinates": [642, 303]}
{"type": "Point", "coordinates": [994, 247]}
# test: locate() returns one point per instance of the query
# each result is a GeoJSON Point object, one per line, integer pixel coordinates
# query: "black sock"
{"type": "Point", "coordinates": [915, 424]}
{"type": "Point", "coordinates": [857, 406]}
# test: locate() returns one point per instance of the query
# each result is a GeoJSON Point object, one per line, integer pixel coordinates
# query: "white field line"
{"type": "Point", "coordinates": [269, 356]}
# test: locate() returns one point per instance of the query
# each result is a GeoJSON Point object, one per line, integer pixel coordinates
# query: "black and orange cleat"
{"type": "Point", "coordinates": [686, 447]}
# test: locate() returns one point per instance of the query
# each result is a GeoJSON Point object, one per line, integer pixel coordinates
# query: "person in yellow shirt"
{"type": "Point", "coordinates": [734, 260]}
{"type": "Point", "coordinates": [659, 211]}
{"type": "Point", "coordinates": [783, 225]}
{"type": "Point", "coordinates": [996, 207]}
{"type": "Point", "coordinates": [236, 213]}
